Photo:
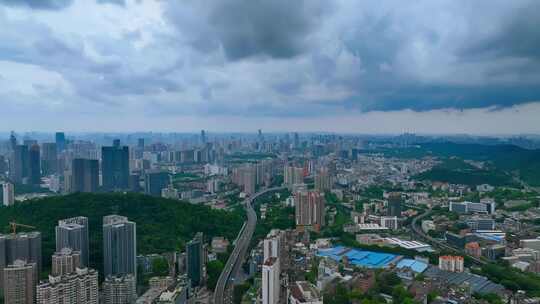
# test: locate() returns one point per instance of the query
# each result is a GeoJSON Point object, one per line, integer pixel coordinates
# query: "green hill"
{"type": "Point", "coordinates": [162, 225]}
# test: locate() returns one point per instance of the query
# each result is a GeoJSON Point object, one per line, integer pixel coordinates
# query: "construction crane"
{"type": "Point", "coordinates": [14, 226]}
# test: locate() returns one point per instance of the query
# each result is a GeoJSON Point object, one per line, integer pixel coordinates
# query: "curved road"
{"type": "Point", "coordinates": [232, 267]}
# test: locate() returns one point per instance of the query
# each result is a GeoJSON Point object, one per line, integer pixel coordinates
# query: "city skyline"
{"type": "Point", "coordinates": [339, 67]}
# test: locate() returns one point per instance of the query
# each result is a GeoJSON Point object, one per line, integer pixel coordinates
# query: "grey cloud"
{"type": "Point", "coordinates": [517, 36]}
{"type": "Point", "coordinates": [246, 28]}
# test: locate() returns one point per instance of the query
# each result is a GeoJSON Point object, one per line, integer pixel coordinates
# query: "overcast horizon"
{"type": "Point", "coordinates": [428, 67]}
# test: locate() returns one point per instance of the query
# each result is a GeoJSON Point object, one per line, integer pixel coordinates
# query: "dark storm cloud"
{"type": "Point", "coordinates": [246, 28]}
{"type": "Point", "coordinates": [517, 36]}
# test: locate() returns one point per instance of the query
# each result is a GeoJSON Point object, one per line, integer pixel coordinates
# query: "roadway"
{"type": "Point", "coordinates": [222, 292]}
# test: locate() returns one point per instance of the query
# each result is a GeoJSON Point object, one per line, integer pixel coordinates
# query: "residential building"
{"type": "Point", "coordinates": [24, 246]}
{"type": "Point", "coordinates": [119, 289]}
{"type": "Point", "coordinates": [309, 210]}
{"type": "Point", "coordinates": [292, 176]}
{"type": "Point", "coordinates": [20, 280]}
{"type": "Point", "coordinates": [119, 246]}
{"type": "Point", "coordinates": [270, 281]}
{"type": "Point", "coordinates": [73, 233]}
{"type": "Point", "coordinates": [77, 287]}
{"type": "Point", "coordinates": [323, 180]}
{"type": "Point", "coordinates": [65, 262]}
{"type": "Point", "coordinates": [195, 260]}
{"type": "Point", "coordinates": [8, 194]}
{"type": "Point", "coordinates": [451, 263]}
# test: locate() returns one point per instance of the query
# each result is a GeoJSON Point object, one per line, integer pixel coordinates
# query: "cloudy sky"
{"type": "Point", "coordinates": [239, 65]}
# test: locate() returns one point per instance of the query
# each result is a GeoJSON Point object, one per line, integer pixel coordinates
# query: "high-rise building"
{"type": "Point", "coordinates": [309, 209]}
{"type": "Point", "coordinates": [394, 204]}
{"type": "Point", "coordinates": [155, 181]}
{"type": "Point", "coordinates": [60, 141]}
{"type": "Point", "coordinates": [18, 166]}
{"type": "Point", "coordinates": [119, 289]}
{"type": "Point", "coordinates": [293, 175]}
{"type": "Point", "coordinates": [203, 137]}
{"type": "Point", "coordinates": [115, 167]}
{"type": "Point", "coordinates": [84, 175]}
{"type": "Point", "coordinates": [34, 165]}
{"type": "Point", "coordinates": [8, 194]}
{"type": "Point", "coordinates": [78, 287]}
{"type": "Point", "coordinates": [195, 260]}
{"type": "Point", "coordinates": [65, 262]}
{"type": "Point", "coordinates": [49, 158]}
{"type": "Point", "coordinates": [25, 246]}
{"type": "Point", "coordinates": [270, 281]}
{"type": "Point", "coordinates": [246, 178]}
{"type": "Point", "coordinates": [119, 246]}
{"type": "Point", "coordinates": [451, 263]}
{"type": "Point", "coordinates": [73, 233]}
{"type": "Point", "coordinates": [20, 279]}
{"type": "Point", "coordinates": [323, 181]}
{"type": "Point", "coordinates": [3, 165]}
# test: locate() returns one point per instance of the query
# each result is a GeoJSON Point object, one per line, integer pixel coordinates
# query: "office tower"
{"type": "Point", "coordinates": [73, 233]}
{"type": "Point", "coordinates": [119, 290]}
{"type": "Point", "coordinates": [65, 262]}
{"type": "Point", "coordinates": [203, 137]}
{"type": "Point", "coordinates": [119, 246]}
{"type": "Point", "coordinates": [195, 260]}
{"type": "Point", "coordinates": [140, 143]}
{"type": "Point", "coordinates": [3, 165]}
{"type": "Point", "coordinates": [34, 165]}
{"type": "Point", "coordinates": [18, 168]}
{"type": "Point", "coordinates": [25, 246]}
{"type": "Point", "coordinates": [8, 194]}
{"type": "Point", "coordinates": [155, 181]}
{"type": "Point", "coordinates": [296, 142]}
{"type": "Point", "coordinates": [270, 281]}
{"type": "Point", "coordinates": [309, 209]}
{"type": "Point", "coordinates": [323, 181]}
{"type": "Point", "coordinates": [60, 141]}
{"type": "Point", "coordinates": [115, 167]}
{"type": "Point", "coordinates": [394, 204]}
{"type": "Point", "coordinates": [12, 141]}
{"type": "Point", "coordinates": [20, 282]}
{"type": "Point", "coordinates": [49, 159]}
{"type": "Point", "coordinates": [78, 287]}
{"type": "Point", "coordinates": [84, 175]}
{"type": "Point", "coordinates": [293, 175]}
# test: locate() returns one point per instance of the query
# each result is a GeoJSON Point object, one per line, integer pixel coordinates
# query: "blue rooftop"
{"type": "Point", "coordinates": [368, 259]}
{"type": "Point", "coordinates": [415, 265]}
